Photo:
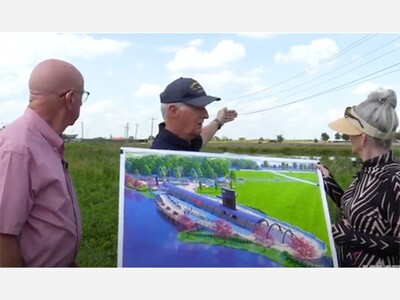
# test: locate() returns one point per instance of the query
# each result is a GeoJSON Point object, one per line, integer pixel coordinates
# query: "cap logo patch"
{"type": "Point", "coordinates": [196, 87]}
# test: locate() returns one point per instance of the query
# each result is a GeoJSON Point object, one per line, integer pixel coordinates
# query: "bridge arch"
{"type": "Point", "coordinates": [279, 228]}
{"type": "Point", "coordinates": [284, 235]}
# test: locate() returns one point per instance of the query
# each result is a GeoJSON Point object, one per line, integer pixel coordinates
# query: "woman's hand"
{"type": "Point", "coordinates": [324, 170]}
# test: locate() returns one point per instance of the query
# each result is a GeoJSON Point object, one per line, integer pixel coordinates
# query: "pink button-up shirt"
{"type": "Point", "coordinates": [38, 202]}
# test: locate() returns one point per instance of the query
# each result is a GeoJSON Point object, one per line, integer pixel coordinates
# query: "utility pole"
{"type": "Point", "coordinates": [136, 131]}
{"type": "Point", "coordinates": [82, 130]}
{"type": "Point", "coordinates": [127, 131]}
{"type": "Point", "coordinates": [152, 120]}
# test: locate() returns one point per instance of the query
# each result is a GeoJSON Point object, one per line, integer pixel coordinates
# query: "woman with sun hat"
{"type": "Point", "coordinates": [368, 231]}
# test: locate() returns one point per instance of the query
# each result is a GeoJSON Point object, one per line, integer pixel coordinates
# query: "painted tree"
{"type": "Point", "coordinates": [182, 171]}
{"type": "Point", "coordinates": [260, 234]}
{"type": "Point", "coordinates": [222, 229]}
{"type": "Point", "coordinates": [162, 171]}
{"type": "Point", "coordinates": [208, 170]}
{"type": "Point", "coordinates": [216, 186]}
{"type": "Point", "coordinates": [146, 170]}
{"type": "Point", "coordinates": [284, 165]}
{"type": "Point", "coordinates": [178, 172]}
{"type": "Point", "coordinates": [193, 174]}
{"type": "Point", "coordinates": [186, 224]}
{"type": "Point", "coordinates": [303, 248]}
{"type": "Point", "coordinates": [129, 181]}
{"type": "Point", "coordinates": [199, 172]}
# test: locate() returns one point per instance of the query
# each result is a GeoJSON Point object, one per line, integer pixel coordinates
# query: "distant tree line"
{"type": "Point", "coordinates": [279, 138]}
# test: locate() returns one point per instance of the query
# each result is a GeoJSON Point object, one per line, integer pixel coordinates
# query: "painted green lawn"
{"type": "Point", "coordinates": [303, 175]}
{"type": "Point", "coordinates": [296, 203]}
{"type": "Point", "coordinates": [293, 202]}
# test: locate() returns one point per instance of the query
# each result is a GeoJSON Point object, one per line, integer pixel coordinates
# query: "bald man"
{"type": "Point", "coordinates": [40, 223]}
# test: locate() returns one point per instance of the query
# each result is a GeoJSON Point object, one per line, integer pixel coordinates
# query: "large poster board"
{"type": "Point", "coordinates": [191, 209]}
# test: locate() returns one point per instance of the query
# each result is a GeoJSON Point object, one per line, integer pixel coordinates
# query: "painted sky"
{"type": "Point", "coordinates": [288, 83]}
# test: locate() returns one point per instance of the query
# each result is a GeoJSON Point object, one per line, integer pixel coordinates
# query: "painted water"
{"type": "Point", "coordinates": [150, 240]}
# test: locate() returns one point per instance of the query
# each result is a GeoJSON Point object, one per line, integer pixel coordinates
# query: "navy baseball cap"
{"type": "Point", "coordinates": [188, 91]}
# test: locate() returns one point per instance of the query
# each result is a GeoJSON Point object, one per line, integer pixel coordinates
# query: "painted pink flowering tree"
{"type": "Point", "coordinates": [260, 234]}
{"type": "Point", "coordinates": [186, 224]}
{"type": "Point", "coordinates": [129, 181]}
{"type": "Point", "coordinates": [222, 229]}
{"type": "Point", "coordinates": [303, 248]}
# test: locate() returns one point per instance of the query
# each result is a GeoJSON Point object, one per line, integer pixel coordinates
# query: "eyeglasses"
{"type": "Point", "coordinates": [348, 114]}
{"type": "Point", "coordinates": [85, 94]}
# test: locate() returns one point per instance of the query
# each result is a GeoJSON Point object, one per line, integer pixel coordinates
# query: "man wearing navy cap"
{"type": "Point", "coordinates": [183, 107]}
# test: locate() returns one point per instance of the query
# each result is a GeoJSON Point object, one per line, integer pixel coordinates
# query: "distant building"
{"type": "Point", "coordinates": [69, 137]}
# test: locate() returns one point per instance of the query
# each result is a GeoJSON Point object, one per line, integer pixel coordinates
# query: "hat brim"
{"type": "Point", "coordinates": [201, 101]}
{"type": "Point", "coordinates": [345, 126]}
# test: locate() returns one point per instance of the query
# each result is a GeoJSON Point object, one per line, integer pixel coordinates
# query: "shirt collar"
{"type": "Point", "coordinates": [383, 159]}
{"type": "Point", "coordinates": [173, 139]}
{"type": "Point", "coordinates": [36, 121]}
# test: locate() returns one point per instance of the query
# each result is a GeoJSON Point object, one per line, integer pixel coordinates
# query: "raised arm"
{"type": "Point", "coordinates": [223, 116]}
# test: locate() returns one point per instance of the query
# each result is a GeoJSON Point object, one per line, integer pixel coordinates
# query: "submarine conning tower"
{"type": "Point", "coordinates": [228, 198]}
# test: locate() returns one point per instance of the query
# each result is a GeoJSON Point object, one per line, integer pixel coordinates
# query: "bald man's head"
{"type": "Point", "coordinates": [54, 76]}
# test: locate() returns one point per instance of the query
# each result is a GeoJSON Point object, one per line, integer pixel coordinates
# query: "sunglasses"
{"type": "Point", "coordinates": [348, 114]}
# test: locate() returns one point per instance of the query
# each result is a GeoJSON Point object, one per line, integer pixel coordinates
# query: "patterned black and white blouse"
{"type": "Point", "coordinates": [368, 233]}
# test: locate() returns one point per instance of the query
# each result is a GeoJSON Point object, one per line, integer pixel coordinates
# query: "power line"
{"type": "Point", "coordinates": [330, 79]}
{"type": "Point", "coordinates": [347, 49]}
{"type": "Point", "coordinates": [337, 88]}
{"type": "Point", "coordinates": [343, 51]}
{"type": "Point", "coordinates": [335, 70]}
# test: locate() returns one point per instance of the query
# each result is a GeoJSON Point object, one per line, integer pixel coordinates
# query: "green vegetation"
{"type": "Point", "coordinates": [285, 201]}
{"type": "Point", "coordinates": [94, 167]}
{"type": "Point", "coordinates": [282, 199]}
{"type": "Point", "coordinates": [282, 149]}
{"type": "Point", "coordinates": [284, 259]}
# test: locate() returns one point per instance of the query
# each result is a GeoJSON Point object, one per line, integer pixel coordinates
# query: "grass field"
{"type": "Point", "coordinates": [286, 201]}
{"type": "Point", "coordinates": [293, 202]}
{"type": "Point", "coordinates": [94, 167]}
